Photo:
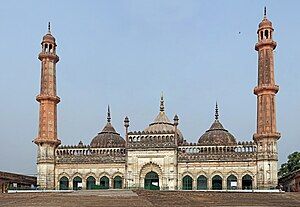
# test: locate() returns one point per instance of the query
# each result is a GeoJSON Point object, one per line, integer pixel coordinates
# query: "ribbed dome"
{"type": "Point", "coordinates": [216, 134]}
{"type": "Point", "coordinates": [162, 124]}
{"type": "Point", "coordinates": [108, 137]}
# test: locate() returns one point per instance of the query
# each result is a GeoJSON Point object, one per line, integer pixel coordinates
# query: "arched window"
{"type": "Point", "coordinates": [50, 47]}
{"type": "Point", "coordinates": [201, 183]}
{"type": "Point", "coordinates": [187, 183]}
{"type": "Point", "coordinates": [217, 182]}
{"type": "Point", "coordinates": [64, 183]}
{"type": "Point", "coordinates": [104, 182]}
{"type": "Point", "coordinates": [77, 183]}
{"type": "Point", "coordinates": [246, 182]}
{"type": "Point", "coordinates": [90, 183]}
{"type": "Point", "coordinates": [267, 34]}
{"type": "Point", "coordinates": [117, 182]}
{"type": "Point", "coordinates": [232, 182]}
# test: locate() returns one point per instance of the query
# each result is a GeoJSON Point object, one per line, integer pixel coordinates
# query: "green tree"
{"type": "Point", "coordinates": [291, 165]}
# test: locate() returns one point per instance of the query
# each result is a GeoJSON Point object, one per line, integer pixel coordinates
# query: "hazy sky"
{"type": "Point", "coordinates": [124, 53]}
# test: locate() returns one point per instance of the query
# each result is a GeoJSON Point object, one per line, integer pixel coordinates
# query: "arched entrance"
{"type": "Point", "coordinates": [187, 183]}
{"type": "Point", "coordinates": [202, 183]}
{"type": "Point", "coordinates": [232, 182]}
{"type": "Point", "coordinates": [217, 182]}
{"type": "Point", "coordinates": [247, 182]}
{"type": "Point", "coordinates": [90, 183]}
{"type": "Point", "coordinates": [117, 182]}
{"type": "Point", "coordinates": [104, 182]}
{"type": "Point", "coordinates": [77, 183]}
{"type": "Point", "coordinates": [151, 181]}
{"type": "Point", "coordinates": [64, 183]}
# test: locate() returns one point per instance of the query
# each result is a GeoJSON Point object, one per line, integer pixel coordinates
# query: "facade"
{"type": "Point", "coordinates": [290, 182]}
{"type": "Point", "coordinates": [159, 157]}
{"type": "Point", "coordinates": [13, 181]}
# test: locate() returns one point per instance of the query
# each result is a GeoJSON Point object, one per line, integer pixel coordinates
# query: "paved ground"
{"type": "Point", "coordinates": [145, 198]}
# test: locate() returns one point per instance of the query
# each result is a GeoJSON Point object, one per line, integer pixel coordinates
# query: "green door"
{"type": "Point", "coordinates": [187, 183]}
{"type": "Point", "coordinates": [217, 183]}
{"type": "Point", "coordinates": [64, 183]}
{"type": "Point", "coordinates": [104, 183]}
{"type": "Point", "coordinates": [202, 183]}
{"type": "Point", "coordinates": [151, 181]}
{"type": "Point", "coordinates": [117, 182]}
{"type": "Point", "coordinates": [90, 183]}
{"type": "Point", "coordinates": [77, 183]}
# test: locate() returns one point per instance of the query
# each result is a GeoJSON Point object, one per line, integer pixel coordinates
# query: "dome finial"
{"type": "Point", "coordinates": [265, 12]}
{"type": "Point", "coordinates": [216, 112]}
{"type": "Point", "coordinates": [108, 114]}
{"type": "Point", "coordinates": [49, 28]}
{"type": "Point", "coordinates": [162, 106]}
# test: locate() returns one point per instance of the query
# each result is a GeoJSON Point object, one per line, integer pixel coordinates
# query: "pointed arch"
{"type": "Point", "coordinates": [151, 167]}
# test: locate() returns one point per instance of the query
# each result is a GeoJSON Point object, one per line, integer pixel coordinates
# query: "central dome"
{"type": "Point", "coordinates": [108, 137]}
{"type": "Point", "coordinates": [162, 124]}
{"type": "Point", "coordinates": [216, 134]}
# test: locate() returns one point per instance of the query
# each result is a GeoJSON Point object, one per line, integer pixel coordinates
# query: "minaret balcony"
{"type": "Point", "coordinates": [52, 141]}
{"type": "Point", "coordinates": [265, 42]}
{"type": "Point", "coordinates": [266, 89]}
{"type": "Point", "coordinates": [42, 97]}
{"type": "Point", "coordinates": [268, 135]}
{"type": "Point", "coordinates": [49, 55]}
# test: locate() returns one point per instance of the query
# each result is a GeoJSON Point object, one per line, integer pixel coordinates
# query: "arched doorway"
{"type": "Point", "coordinates": [64, 183]}
{"type": "Point", "coordinates": [201, 183]}
{"type": "Point", "coordinates": [151, 181]}
{"type": "Point", "coordinates": [90, 183]}
{"type": "Point", "coordinates": [117, 182]}
{"type": "Point", "coordinates": [217, 182]}
{"type": "Point", "coordinates": [104, 182]}
{"type": "Point", "coordinates": [246, 182]}
{"type": "Point", "coordinates": [77, 183]}
{"type": "Point", "coordinates": [187, 183]}
{"type": "Point", "coordinates": [232, 182]}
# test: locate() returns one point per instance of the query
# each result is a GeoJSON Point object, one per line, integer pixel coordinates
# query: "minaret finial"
{"type": "Point", "coordinates": [216, 112]}
{"type": "Point", "coordinates": [265, 12]}
{"type": "Point", "coordinates": [162, 106]}
{"type": "Point", "coordinates": [49, 28]}
{"type": "Point", "coordinates": [108, 114]}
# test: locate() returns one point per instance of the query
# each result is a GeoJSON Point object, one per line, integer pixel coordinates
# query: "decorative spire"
{"type": "Point", "coordinates": [217, 112]}
{"type": "Point", "coordinates": [49, 28]}
{"type": "Point", "coordinates": [162, 106]}
{"type": "Point", "coordinates": [108, 114]}
{"type": "Point", "coordinates": [265, 12]}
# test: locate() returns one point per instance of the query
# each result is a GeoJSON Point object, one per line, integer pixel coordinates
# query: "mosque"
{"type": "Point", "coordinates": [158, 157]}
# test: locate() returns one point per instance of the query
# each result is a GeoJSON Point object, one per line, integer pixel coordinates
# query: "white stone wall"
{"type": "Point", "coordinates": [161, 161]}
{"type": "Point", "coordinates": [223, 169]}
{"type": "Point", "coordinates": [110, 170]}
{"type": "Point", "coordinates": [45, 166]}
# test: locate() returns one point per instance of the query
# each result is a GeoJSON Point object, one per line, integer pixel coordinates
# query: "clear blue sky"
{"type": "Point", "coordinates": [124, 53]}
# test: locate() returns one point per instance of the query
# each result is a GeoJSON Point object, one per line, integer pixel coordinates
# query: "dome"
{"type": "Point", "coordinates": [265, 23]}
{"type": "Point", "coordinates": [48, 37]}
{"type": "Point", "coordinates": [108, 137]}
{"type": "Point", "coordinates": [162, 124]}
{"type": "Point", "coordinates": [216, 134]}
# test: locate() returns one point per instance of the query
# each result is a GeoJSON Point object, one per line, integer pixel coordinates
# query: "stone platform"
{"type": "Point", "coordinates": [145, 198]}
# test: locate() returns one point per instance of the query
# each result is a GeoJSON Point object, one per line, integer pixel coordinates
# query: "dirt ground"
{"type": "Point", "coordinates": [149, 198]}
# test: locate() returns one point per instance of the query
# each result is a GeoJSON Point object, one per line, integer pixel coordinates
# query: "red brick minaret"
{"type": "Point", "coordinates": [47, 139]}
{"type": "Point", "coordinates": [266, 135]}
